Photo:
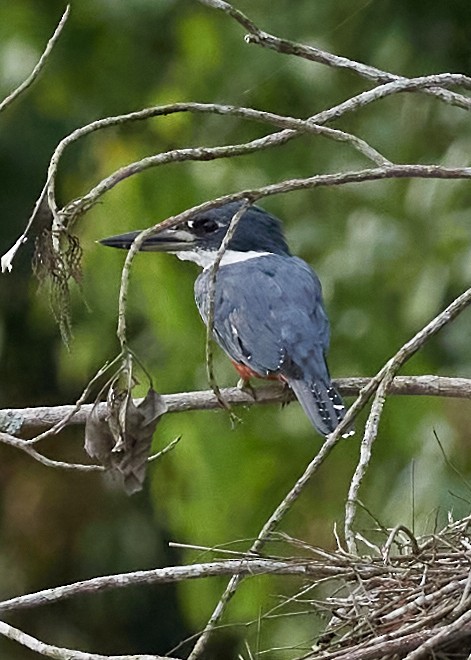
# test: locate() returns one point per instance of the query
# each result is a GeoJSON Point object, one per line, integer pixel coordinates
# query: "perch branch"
{"type": "Point", "coordinates": [25, 420]}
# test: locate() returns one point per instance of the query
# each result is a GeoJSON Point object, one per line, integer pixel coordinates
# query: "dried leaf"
{"type": "Point", "coordinates": [99, 441]}
{"type": "Point", "coordinates": [121, 440]}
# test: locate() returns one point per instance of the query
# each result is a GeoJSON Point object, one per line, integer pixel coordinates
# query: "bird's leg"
{"type": "Point", "coordinates": [245, 385]}
{"type": "Point", "coordinates": [245, 374]}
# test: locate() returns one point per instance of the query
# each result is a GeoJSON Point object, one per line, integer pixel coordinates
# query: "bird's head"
{"type": "Point", "coordinates": [199, 238]}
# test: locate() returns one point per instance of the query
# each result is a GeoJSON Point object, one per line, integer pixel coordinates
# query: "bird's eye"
{"type": "Point", "coordinates": [202, 226]}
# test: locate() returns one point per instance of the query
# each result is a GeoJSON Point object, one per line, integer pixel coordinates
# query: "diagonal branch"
{"type": "Point", "coordinates": [389, 371]}
{"type": "Point", "coordinates": [286, 504]}
{"type": "Point", "coordinates": [40, 64]}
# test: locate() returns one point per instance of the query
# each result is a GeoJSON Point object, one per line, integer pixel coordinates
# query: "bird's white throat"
{"type": "Point", "coordinates": [205, 258]}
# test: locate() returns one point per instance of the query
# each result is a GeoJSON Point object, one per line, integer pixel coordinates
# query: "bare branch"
{"type": "Point", "coordinates": [25, 446]}
{"type": "Point", "coordinates": [294, 126]}
{"type": "Point", "coordinates": [320, 565]}
{"type": "Point", "coordinates": [24, 420]}
{"type": "Point", "coordinates": [40, 65]}
{"type": "Point", "coordinates": [60, 653]}
{"type": "Point", "coordinates": [245, 566]}
{"type": "Point", "coordinates": [261, 38]}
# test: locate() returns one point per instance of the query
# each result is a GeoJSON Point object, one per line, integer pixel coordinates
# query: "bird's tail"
{"type": "Point", "coordinates": [322, 404]}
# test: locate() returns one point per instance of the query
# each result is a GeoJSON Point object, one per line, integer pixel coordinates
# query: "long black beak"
{"type": "Point", "coordinates": [166, 240]}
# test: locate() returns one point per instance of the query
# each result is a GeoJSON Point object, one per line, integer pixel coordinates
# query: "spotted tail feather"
{"type": "Point", "coordinates": [322, 404]}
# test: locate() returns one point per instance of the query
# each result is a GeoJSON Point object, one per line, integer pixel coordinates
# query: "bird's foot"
{"type": "Point", "coordinates": [287, 393]}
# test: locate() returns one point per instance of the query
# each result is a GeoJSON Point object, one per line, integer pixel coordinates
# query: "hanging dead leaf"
{"type": "Point", "coordinates": [121, 440]}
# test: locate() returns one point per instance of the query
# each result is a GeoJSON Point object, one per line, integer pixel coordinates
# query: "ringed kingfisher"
{"type": "Point", "coordinates": [269, 316]}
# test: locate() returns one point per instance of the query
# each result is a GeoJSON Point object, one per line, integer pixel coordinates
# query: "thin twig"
{"type": "Point", "coordinates": [40, 64]}
{"type": "Point", "coordinates": [386, 549]}
{"type": "Point", "coordinates": [7, 258]}
{"type": "Point", "coordinates": [158, 454]}
{"type": "Point", "coordinates": [73, 410]}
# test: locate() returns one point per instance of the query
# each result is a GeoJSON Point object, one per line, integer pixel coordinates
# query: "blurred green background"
{"type": "Point", "coordinates": [390, 256]}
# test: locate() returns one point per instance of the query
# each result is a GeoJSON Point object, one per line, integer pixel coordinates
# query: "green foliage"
{"type": "Point", "coordinates": [390, 255]}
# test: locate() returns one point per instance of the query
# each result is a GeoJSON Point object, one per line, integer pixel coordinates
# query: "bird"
{"type": "Point", "coordinates": [269, 314]}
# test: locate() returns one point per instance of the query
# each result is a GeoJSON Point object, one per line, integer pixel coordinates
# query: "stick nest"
{"type": "Point", "coordinates": [412, 600]}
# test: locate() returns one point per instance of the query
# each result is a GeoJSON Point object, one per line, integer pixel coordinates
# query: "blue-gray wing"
{"type": "Point", "coordinates": [269, 315]}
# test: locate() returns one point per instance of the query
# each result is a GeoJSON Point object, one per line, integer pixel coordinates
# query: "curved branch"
{"type": "Point", "coordinates": [293, 127]}
{"type": "Point", "coordinates": [25, 446]}
{"type": "Point", "coordinates": [262, 38]}
{"type": "Point", "coordinates": [289, 185]}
